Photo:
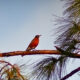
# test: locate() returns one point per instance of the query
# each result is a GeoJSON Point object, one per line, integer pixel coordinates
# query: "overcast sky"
{"type": "Point", "coordinates": [21, 20]}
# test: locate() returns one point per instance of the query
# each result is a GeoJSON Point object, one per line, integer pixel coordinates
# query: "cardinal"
{"type": "Point", "coordinates": [34, 43]}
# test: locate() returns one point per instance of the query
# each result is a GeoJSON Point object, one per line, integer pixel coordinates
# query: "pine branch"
{"type": "Point", "coordinates": [71, 73]}
{"type": "Point", "coordinates": [37, 52]}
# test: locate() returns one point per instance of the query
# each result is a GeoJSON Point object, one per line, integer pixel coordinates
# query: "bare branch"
{"type": "Point", "coordinates": [37, 52]}
{"type": "Point", "coordinates": [71, 73]}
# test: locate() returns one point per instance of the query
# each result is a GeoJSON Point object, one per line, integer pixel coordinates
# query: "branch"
{"type": "Point", "coordinates": [37, 52]}
{"type": "Point", "coordinates": [71, 73]}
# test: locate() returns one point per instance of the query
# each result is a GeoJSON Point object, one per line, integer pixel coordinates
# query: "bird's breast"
{"type": "Point", "coordinates": [35, 42]}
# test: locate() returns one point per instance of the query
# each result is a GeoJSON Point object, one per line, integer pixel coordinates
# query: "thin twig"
{"type": "Point", "coordinates": [71, 73]}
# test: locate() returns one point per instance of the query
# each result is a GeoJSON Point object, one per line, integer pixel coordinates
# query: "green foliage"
{"type": "Point", "coordinates": [50, 68]}
{"type": "Point", "coordinates": [73, 8]}
{"type": "Point", "coordinates": [68, 38]}
{"type": "Point", "coordinates": [45, 69]}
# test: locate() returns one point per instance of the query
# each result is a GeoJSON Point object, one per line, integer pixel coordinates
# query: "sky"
{"type": "Point", "coordinates": [21, 20]}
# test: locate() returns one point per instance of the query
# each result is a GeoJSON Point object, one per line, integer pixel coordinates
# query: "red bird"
{"type": "Point", "coordinates": [34, 43]}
